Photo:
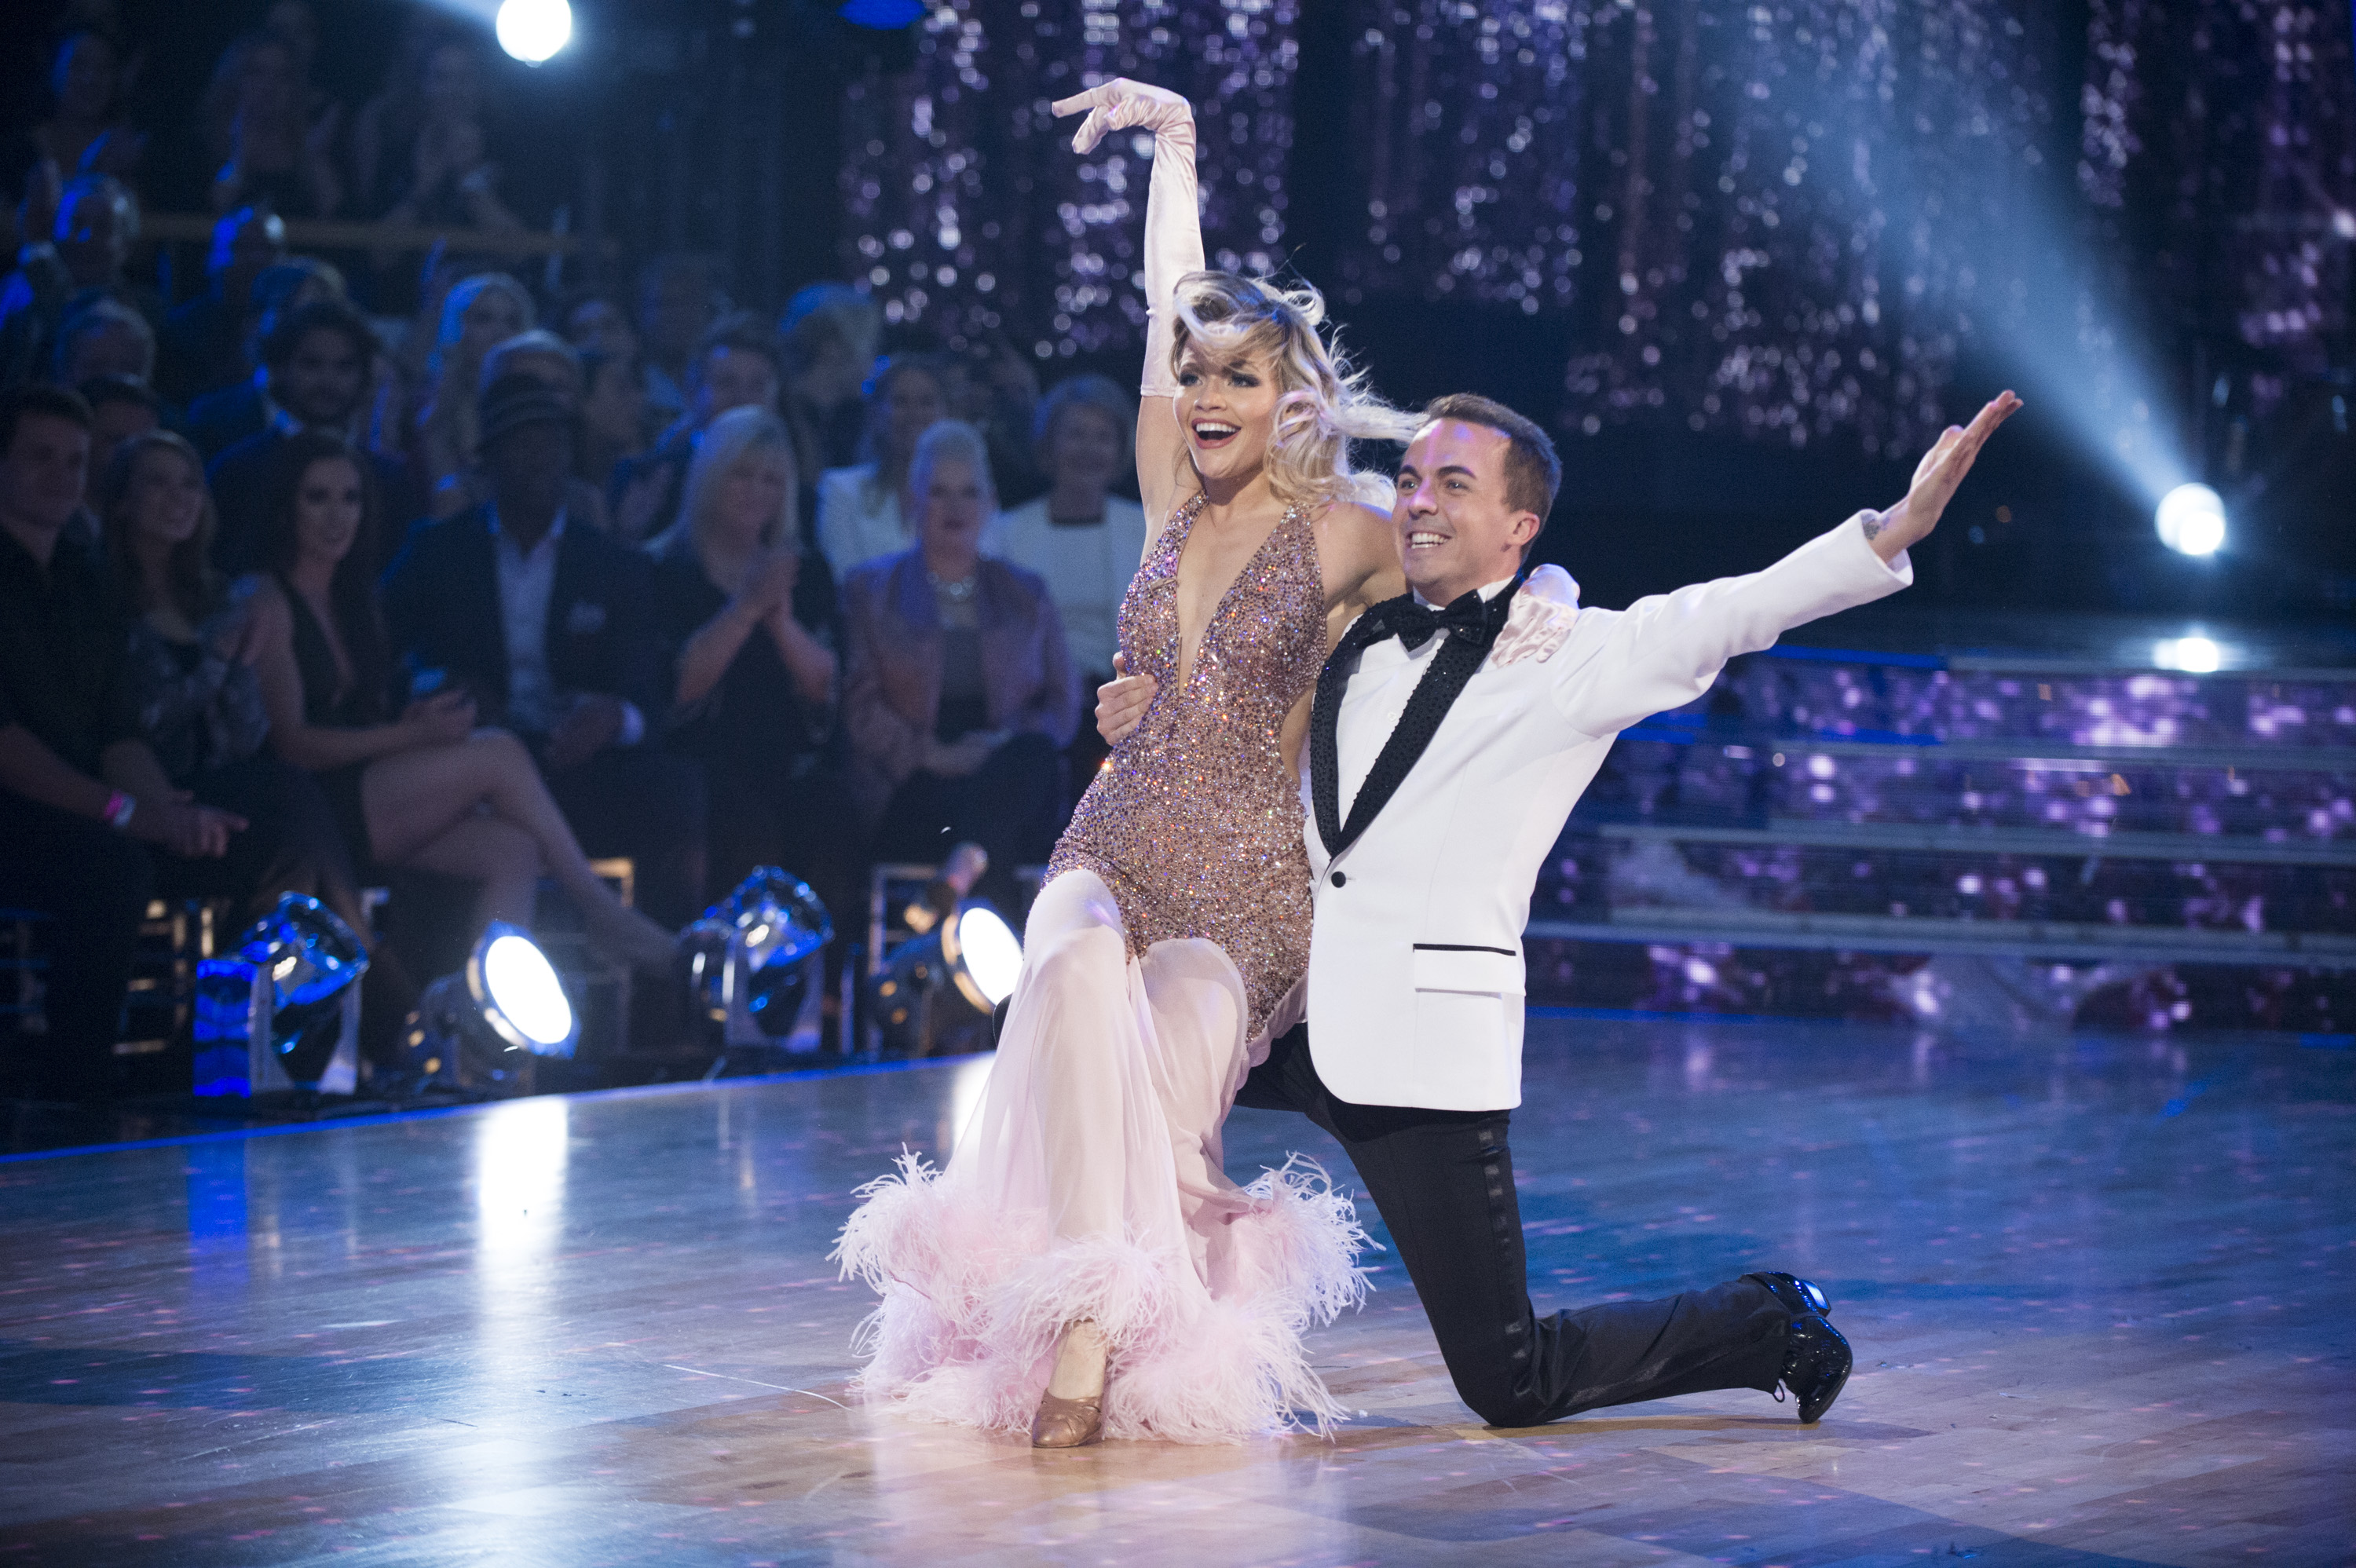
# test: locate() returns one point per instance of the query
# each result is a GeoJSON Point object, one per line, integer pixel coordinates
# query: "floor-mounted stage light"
{"type": "Point", "coordinates": [533, 30]}
{"type": "Point", "coordinates": [484, 1026]}
{"type": "Point", "coordinates": [934, 994]}
{"type": "Point", "coordinates": [284, 1011]}
{"type": "Point", "coordinates": [2191, 520]}
{"type": "Point", "coordinates": [757, 962]}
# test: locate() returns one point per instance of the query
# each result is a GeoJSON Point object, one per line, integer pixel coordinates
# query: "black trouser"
{"type": "Point", "coordinates": [1444, 1183]}
{"type": "Point", "coordinates": [648, 804]}
{"type": "Point", "coordinates": [94, 883]}
{"type": "Point", "coordinates": [1012, 806]}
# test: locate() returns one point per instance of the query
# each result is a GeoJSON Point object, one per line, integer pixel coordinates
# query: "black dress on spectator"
{"type": "Point", "coordinates": [775, 796]}
{"type": "Point", "coordinates": [332, 702]}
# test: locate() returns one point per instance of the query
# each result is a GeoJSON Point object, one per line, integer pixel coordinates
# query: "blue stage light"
{"type": "Point", "coordinates": [287, 992]}
{"type": "Point", "coordinates": [2191, 520]}
{"type": "Point", "coordinates": [533, 30]}
{"type": "Point", "coordinates": [753, 959]}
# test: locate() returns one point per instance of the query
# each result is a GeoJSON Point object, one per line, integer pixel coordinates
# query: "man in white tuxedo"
{"type": "Point", "coordinates": [1452, 730]}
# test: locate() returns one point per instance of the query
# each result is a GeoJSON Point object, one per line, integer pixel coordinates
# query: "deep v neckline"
{"type": "Point", "coordinates": [1219, 607]}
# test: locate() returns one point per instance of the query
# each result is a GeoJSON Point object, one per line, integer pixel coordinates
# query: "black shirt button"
{"type": "Point", "coordinates": [1340, 881]}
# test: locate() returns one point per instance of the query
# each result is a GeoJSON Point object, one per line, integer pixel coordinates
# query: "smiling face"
{"type": "Point", "coordinates": [1226, 410]}
{"type": "Point", "coordinates": [1456, 530]}
{"type": "Point", "coordinates": [322, 379]}
{"type": "Point", "coordinates": [41, 472]}
{"type": "Point", "coordinates": [328, 510]}
{"type": "Point", "coordinates": [165, 501]}
{"type": "Point", "coordinates": [752, 497]}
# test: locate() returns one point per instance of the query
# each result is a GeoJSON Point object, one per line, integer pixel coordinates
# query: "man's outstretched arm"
{"type": "Point", "coordinates": [1666, 650]}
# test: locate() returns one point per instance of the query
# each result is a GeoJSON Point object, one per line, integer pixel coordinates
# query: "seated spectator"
{"type": "Point", "coordinates": [480, 314]}
{"type": "Point", "coordinates": [755, 700]}
{"type": "Point", "coordinates": [612, 416]}
{"type": "Point", "coordinates": [545, 357]}
{"type": "Point", "coordinates": [220, 420]}
{"type": "Point", "coordinates": [859, 516]}
{"type": "Point", "coordinates": [828, 335]}
{"type": "Point", "coordinates": [960, 696]}
{"type": "Point", "coordinates": [205, 341]}
{"type": "Point", "coordinates": [427, 790]}
{"type": "Point", "coordinates": [120, 408]}
{"type": "Point", "coordinates": [1001, 399]}
{"type": "Point", "coordinates": [190, 679]}
{"type": "Point", "coordinates": [320, 364]}
{"type": "Point", "coordinates": [103, 338]}
{"type": "Point", "coordinates": [441, 174]}
{"type": "Point", "coordinates": [88, 247]}
{"type": "Point", "coordinates": [735, 367]}
{"type": "Point", "coordinates": [1084, 541]}
{"type": "Point", "coordinates": [267, 150]}
{"type": "Point", "coordinates": [597, 324]}
{"type": "Point", "coordinates": [680, 299]}
{"type": "Point", "coordinates": [87, 131]}
{"type": "Point", "coordinates": [92, 825]}
{"type": "Point", "coordinates": [549, 627]}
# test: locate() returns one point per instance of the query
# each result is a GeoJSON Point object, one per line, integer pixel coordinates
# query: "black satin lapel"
{"type": "Point", "coordinates": [1324, 748]}
{"type": "Point", "coordinates": [1451, 668]}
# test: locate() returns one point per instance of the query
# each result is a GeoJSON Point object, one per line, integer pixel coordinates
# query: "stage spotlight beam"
{"type": "Point", "coordinates": [2190, 520]}
{"type": "Point", "coordinates": [533, 30]}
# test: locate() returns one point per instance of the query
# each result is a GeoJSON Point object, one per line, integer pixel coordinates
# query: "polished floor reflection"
{"type": "Point", "coordinates": [2100, 1290]}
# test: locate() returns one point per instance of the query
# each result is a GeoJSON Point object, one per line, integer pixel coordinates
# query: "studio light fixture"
{"type": "Point", "coordinates": [533, 30]}
{"type": "Point", "coordinates": [936, 990]}
{"type": "Point", "coordinates": [484, 1026]}
{"type": "Point", "coordinates": [755, 961]}
{"type": "Point", "coordinates": [284, 1011]}
{"type": "Point", "coordinates": [2190, 519]}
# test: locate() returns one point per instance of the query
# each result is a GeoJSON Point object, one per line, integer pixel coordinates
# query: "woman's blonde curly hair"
{"type": "Point", "coordinates": [1322, 405]}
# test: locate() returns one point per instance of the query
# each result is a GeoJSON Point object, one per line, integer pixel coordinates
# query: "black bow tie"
{"type": "Point", "coordinates": [1468, 618]}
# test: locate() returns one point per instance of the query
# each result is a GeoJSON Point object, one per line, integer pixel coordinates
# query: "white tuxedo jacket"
{"type": "Point", "coordinates": [1415, 968]}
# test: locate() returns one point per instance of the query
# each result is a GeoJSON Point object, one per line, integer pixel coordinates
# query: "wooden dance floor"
{"type": "Point", "coordinates": [2100, 1290]}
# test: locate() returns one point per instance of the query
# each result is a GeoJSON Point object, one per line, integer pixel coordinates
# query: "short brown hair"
{"type": "Point", "coordinates": [1533, 472]}
{"type": "Point", "coordinates": [39, 400]}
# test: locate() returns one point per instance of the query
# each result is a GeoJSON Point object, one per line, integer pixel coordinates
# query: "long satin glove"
{"type": "Point", "coordinates": [1174, 228]}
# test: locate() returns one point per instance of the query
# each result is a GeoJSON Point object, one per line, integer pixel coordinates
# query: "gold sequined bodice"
{"type": "Point", "coordinates": [1195, 825]}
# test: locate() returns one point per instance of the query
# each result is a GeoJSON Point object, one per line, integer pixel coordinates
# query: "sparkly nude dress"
{"type": "Point", "coordinates": [1197, 826]}
{"type": "Point", "coordinates": [1087, 1182]}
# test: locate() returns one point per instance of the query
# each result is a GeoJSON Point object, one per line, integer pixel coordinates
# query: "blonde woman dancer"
{"type": "Point", "coordinates": [1083, 1268]}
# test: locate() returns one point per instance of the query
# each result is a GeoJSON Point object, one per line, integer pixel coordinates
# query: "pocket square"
{"type": "Point", "coordinates": [584, 619]}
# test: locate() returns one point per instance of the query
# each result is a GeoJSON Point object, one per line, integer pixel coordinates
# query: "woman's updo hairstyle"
{"type": "Point", "coordinates": [1322, 405]}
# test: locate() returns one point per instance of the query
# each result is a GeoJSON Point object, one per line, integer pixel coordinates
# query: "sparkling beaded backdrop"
{"type": "Point", "coordinates": [968, 209]}
{"type": "Point", "coordinates": [1789, 220]}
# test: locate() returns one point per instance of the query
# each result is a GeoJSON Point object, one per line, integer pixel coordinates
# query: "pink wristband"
{"type": "Point", "coordinates": [120, 809]}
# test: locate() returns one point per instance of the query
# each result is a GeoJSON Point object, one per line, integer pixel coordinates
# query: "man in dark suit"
{"type": "Point", "coordinates": [550, 625]}
{"type": "Point", "coordinates": [318, 358]}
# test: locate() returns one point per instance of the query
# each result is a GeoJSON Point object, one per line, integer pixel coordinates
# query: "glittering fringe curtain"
{"type": "Point", "coordinates": [970, 214]}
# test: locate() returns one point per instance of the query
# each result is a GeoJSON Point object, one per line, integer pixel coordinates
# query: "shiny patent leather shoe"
{"type": "Point", "coordinates": [1816, 1367]}
{"type": "Point", "coordinates": [1068, 1423]}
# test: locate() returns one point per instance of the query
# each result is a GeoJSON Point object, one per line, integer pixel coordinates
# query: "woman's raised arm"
{"type": "Point", "coordinates": [1174, 247]}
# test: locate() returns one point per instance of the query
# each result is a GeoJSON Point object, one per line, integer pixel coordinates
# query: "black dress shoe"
{"type": "Point", "coordinates": [1817, 1366]}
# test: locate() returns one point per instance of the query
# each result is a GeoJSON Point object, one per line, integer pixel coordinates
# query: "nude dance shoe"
{"type": "Point", "coordinates": [1068, 1423]}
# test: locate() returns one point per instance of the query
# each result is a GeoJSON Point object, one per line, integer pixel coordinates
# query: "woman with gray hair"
{"type": "Point", "coordinates": [754, 702]}
{"type": "Point", "coordinates": [960, 696]}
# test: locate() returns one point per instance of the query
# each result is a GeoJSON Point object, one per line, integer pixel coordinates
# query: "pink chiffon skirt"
{"type": "Point", "coordinates": [1089, 1185]}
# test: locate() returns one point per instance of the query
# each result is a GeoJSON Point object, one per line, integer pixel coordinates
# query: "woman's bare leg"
{"type": "Point", "coordinates": [414, 798]}
{"type": "Point", "coordinates": [500, 857]}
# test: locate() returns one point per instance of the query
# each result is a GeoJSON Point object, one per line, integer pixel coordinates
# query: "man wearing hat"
{"type": "Point", "coordinates": [547, 622]}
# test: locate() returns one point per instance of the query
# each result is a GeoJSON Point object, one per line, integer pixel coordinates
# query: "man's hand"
{"type": "Point", "coordinates": [595, 723]}
{"type": "Point", "coordinates": [186, 828]}
{"type": "Point", "coordinates": [1122, 702]}
{"type": "Point", "coordinates": [1121, 103]}
{"type": "Point", "coordinates": [1942, 468]}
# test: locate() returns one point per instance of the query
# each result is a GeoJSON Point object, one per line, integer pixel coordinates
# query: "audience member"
{"type": "Point", "coordinates": [439, 171]}
{"type": "Point", "coordinates": [859, 508]}
{"type": "Point", "coordinates": [120, 406]}
{"type": "Point", "coordinates": [220, 420]}
{"type": "Point", "coordinates": [960, 695]}
{"type": "Point", "coordinates": [89, 242]}
{"type": "Point", "coordinates": [205, 341]}
{"type": "Point", "coordinates": [87, 131]}
{"type": "Point", "coordinates": [481, 313]}
{"type": "Point", "coordinates": [319, 361]}
{"type": "Point", "coordinates": [267, 149]}
{"type": "Point", "coordinates": [427, 790]}
{"type": "Point", "coordinates": [828, 334]}
{"type": "Point", "coordinates": [735, 367]}
{"type": "Point", "coordinates": [190, 679]}
{"type": "Point", "coordinates": [81, 797]}
{"type": "Point", "coordinates": [539, 354]}
{"type": "Point", "coordinates": [1084, 541]}
{"type": "Point", "coordinates": [102, 336]}
{"type": "Point", "coordinates": [550, 628]}
{"type": "Point", "coordinates": [754, 702]}
{"type": "Point", "coordinates": [679, 298]}
{"type": "Point", "coordinates": [597, 324]}
{"type": "Point", "coordinates": [1000, 396]}
{"type": "Point", "coordinates": [612, 416]}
